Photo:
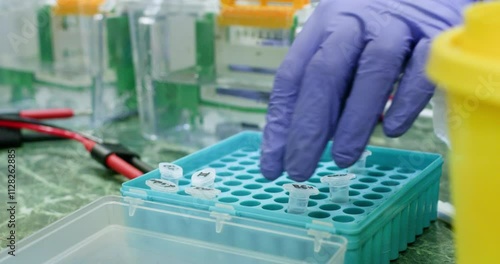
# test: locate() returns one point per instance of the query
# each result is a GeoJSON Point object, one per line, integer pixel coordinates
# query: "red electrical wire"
{"type": "Point", "coordinates": [47, 113]}
{"type": "Point", "coordinates": [113, 161]}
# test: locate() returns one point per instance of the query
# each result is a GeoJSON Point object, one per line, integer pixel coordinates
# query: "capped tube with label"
{"type": "Point", "coordinates": [299, 197]}
{"type": "Point", "coordinates": [170, 172]}
{"type": "Point", "coordinates": [339, 186]}
{"type": "Point", "coordinates": [204, 178]}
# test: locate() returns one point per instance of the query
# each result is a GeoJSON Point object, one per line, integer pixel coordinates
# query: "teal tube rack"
{"type": "Point", "coordinates": [391, 201]}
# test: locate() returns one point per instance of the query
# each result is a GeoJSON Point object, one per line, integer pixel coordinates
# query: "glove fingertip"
{"type": "Point", "coordinates": [394, 129]}
{"type": "Point", "coordinates": [299, 175]}
{"type": "Point", "coordinates": [270, 174]}
{"type": "Point", "coordinates": [344, 159]}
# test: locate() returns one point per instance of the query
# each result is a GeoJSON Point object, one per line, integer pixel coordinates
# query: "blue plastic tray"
{"type": "Point", "coordinates": [390, 203]}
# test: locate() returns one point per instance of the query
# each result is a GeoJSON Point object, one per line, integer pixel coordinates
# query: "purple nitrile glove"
{"type": "Point", "coordinates": [338, 75]}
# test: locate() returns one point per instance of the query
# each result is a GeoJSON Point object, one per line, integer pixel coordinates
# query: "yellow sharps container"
{"type": "Point", "coordinates": [465, 62]}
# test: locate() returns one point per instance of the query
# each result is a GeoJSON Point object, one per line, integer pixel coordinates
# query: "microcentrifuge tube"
{"type": "Point", "coordinates": [299, 197]}
{"type": "Point", "coordinates": [360, 165]}
{"type": "Point", "coordinates": [203, 193]}
{"type": "Point", "coordinates": [170, 172]}
{"type": "Point", "coordinates": [162, 185]}
{"type": "Point", "coordinates": [339, 186]}
{"type": "Point", "coordinates": [204, 178]}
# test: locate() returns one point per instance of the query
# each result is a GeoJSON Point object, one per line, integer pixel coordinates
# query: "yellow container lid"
{"type": "Point", "coordinates": [466, 59]}
{"type": "Point", "coordinates": [263, 15]}
{"type": "Point", "coordinates": [78, 7]}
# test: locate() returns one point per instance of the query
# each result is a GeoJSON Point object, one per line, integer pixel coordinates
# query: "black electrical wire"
{"type": "Point", "coordinates": [32, 137]}
{"type": "Point", "coordinates": [136, 162]}
{"type": "Point", "coordinates": [141, 165]}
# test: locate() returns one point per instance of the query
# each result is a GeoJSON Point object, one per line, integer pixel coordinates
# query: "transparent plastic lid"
{"type": "Point", "coordinates": [129, 230]}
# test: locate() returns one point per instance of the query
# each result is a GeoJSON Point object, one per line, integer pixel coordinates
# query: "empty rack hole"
{"type": "Point", "coordinates": [376, 174]}
{"type": "Point", "coordinates": [183, 182]}
{"type": "Point", "coordinates": [254, 171]}
{"type": "Point", "coordinates": [318, 196]}
{"type": "Point", "coordinates": [312, 203]}
{"type": "Point", "coordinates": [217, 180]}
{"type": "Point", "coordinates": [250, 203]}
{"type": "Point", "coordinates": [343, 218]}
{"type": "Point", "coordinates": [239, 155]}
{"type": "Point", "coordinates": [281, 183]}
{"type": "Point", "coordinates": [255, 157]}
{"type": "Point", "coordinates": [359, 186]}
{"type": "Point", "coordinates": [405, 170]}
{"type": "Point", "coordinates": [232, 183]}
{"type": "Point", "coordinates": [228, 200]}
{"type": "Point", "coordinates": [223, 189]}
{"type": "Point", "coordinates": [325, 158]}
{"type": "Point", "coordinates": [182, 193]}
{"type": "Point", "coordinates": [217, 165]}
{"type": "Point", "coordinates": [319, 214]}
{"type": "Point", "coordinates": [273, 190]}
{"type": "Point", "coordinates": [262, 180]}
{"type": "Point", "coordinates": [319, 165]}
{"type": "Point", "coordinates": [384, 168]}
{"type": "Point", "coordinates": [246, 163]}
{"type": "Point", "coordinates": [333, 168]}
{"type": "Point", "coordinates": [236, 168]}
{"type": "Point", "coordinates": [314, 180]}
{"type": "Point", "coordinates": [323, 173]}
{"type": "Point", "coordinates": [228, 160]}
{"type": "Point", "coordinates": [390, 183]}
{"type": "Point", "coordinates": [244, 177]}
{"type": "Point", "coordinates": [363, 203]}
{"type": "Point", "coordinates": [353, 193]}
{"type": "Point", "coordinates": [225, 174]}
{"type": "Point", "coordinates": [372, 196]}
{"type": "Point", "coordinates": [381, 189]}
{"type": "Point", "coordinates": [262, 196]}
{"type": "Point", "coordinates": [398, 177]}
{"type": "Point", "coordinates": [241, 193]}
{"type": "Point", "coordinates": [324, 190]}
{"type": "Point", "coordinates": [330, 207]}
{"type": "Point", "coordinates": [252, 186]}
{"type": "Point", "coordinates": [272, 207]}
{"type": "Point", "coordinates": [248, 149]}
{"type": "Point", "coordinates": [281, 200]}
{"type": "Point", "coordinates": [353, 211]}
{"type": "Point", "coordinates": [368, 180]}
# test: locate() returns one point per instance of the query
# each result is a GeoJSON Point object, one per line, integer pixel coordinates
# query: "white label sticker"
{"type": "Point", "coordinates": [169, 170]}
{"type": "Point", "coordinates": [301, 188]}
{"type": "Point", "coordinates": [203, 178]}
{"type": "Point", "coordinates": [162, 185]}
{"type": "Point", "coordinates": [203, 193]}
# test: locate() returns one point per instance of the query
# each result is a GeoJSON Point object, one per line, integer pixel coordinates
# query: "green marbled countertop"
{"type": "Point", "coordinates": [55, 179]}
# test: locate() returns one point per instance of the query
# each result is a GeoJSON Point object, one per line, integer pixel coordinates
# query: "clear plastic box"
{"type": "Point", "coordinates": [128, 230]}
{"type": "Point", "coordinates": [73, 54]}
{"type": "Point", "coordinates": [205, 69]}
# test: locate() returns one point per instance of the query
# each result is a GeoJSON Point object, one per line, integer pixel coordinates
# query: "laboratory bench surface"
{"type": "Point", "coordinates": [55, 179]}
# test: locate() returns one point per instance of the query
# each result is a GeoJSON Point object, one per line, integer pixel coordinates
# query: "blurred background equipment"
{"type": "Point", "coordinates": [67, 54]}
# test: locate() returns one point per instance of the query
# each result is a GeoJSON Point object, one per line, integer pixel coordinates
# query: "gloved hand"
{"type": "Point", "coordinates": [339, 74]}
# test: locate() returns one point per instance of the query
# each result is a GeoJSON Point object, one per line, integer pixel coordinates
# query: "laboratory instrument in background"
{"type": "Point", "coordinates": [204, 68]}
{"type": "Point", "coordinates": [66, 53]}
